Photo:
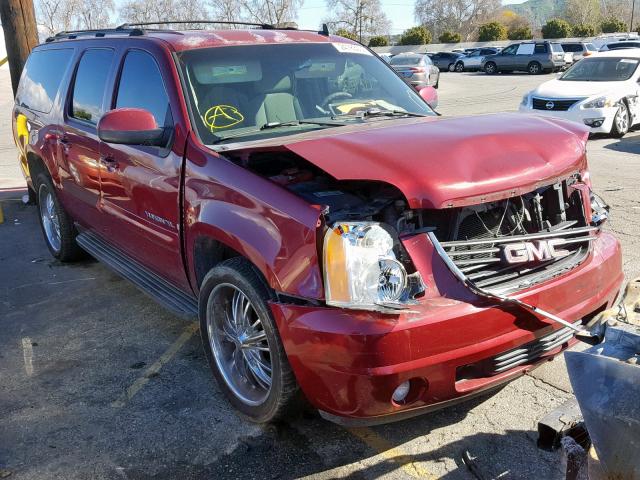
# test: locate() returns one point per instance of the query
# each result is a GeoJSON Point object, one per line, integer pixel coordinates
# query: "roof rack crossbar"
{"type": "Point", "coordinates": [71, 34]}
{"type": "Point", "coordinates": [265, 26]}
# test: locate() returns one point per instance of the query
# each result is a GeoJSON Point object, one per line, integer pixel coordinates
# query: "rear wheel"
{"type": "Point", "coordinates": [534, 68]}
{"type": "Point", "coordinates": [490, 68]}
{"type": "Point", "coordinates": [459, 67]}
{"type": "Point", "coordinates": [242, 343]}
{"type": "Point", "coordinates": [620, 125]}
{"type": "Point", "coordinates": [57, 225]}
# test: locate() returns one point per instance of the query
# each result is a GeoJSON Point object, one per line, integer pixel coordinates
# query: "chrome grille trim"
{"type": "Point", "coordinates": [515, 238]}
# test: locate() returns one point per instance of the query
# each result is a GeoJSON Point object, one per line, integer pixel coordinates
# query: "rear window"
{"type": "Point", "coordinates": [406, 60]}
{"type": "Point", "coordinates": [615, 46]}
{"type": "Point", "coordinates": [591, 47]}
{"type": "Point", "coordinates": [41, 78]}
{"type": "Point", "coordinates": [89, 86]}
{"type": "Point", "coordinates": [572, 47]}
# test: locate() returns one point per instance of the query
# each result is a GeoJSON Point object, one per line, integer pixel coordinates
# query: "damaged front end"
{"type": "Point", "coordinates": [495, 248]}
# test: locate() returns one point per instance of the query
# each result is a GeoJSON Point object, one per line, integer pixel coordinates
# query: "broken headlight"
{"type": "Point", "coordinates": [599, 209]}
{"type": "Point", "coordinates": [361, 270]}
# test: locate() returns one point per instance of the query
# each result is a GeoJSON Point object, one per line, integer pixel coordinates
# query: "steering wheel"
{"type": "Point", "coordinates": [333, 96]}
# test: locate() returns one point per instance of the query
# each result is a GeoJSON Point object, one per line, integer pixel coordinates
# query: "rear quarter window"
{"type": "Point", "coordinates": [41, 78]}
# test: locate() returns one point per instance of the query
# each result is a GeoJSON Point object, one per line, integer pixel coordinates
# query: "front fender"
{"type": "Point", "coordinates": [271, 227]}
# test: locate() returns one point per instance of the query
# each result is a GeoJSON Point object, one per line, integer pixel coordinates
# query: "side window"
{"type": "Point", "coordinates": [510, 50]}
{"type": "Point", "coordinates": [141, 86]}
{"type": "Point", "coordinates": [89, 85]}
{"type": "Point", "coordinates": [525, 49]}
{"type": "Point", "coordinates": [542, 48]}
{"type": "Point", "coordinates": [41, 78]}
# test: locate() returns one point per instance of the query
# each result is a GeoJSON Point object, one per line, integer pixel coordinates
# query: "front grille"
{"type": "Point", "coordinates": [553, 104]}
{"type": "Point", "coordinates": [483, 260]}
{"type": "Point", "coordinates": [526, 354]}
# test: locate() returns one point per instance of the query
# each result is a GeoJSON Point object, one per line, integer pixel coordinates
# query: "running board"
{"type": "Point", "coordinates": [150, 283]}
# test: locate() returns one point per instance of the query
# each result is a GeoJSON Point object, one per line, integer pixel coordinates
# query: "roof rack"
{"type": "Point", "coordinates": [103, 32]}
{"type": "Point", "coordinates": [264, 26]}
{"type": "Point", "coordinates": [135, 30]}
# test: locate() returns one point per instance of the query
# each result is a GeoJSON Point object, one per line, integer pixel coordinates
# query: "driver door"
{"type": "Point", "coordinates": [140, 184]}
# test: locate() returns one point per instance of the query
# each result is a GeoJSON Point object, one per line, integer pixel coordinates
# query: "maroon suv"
{"type": "Point", "coordinates": [339, 241]}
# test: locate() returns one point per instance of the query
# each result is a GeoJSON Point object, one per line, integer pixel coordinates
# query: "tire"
{"type": "Point", "coordinates": [490, 68]}
{"type": "Point", "coordinates": [57, 225]}
{"type": "Point", "coordinates": [243, 373]}
{"type": "Point", "coordinates": [621, 121]}
{"type": "Point", "coordinates": [534, 68]}
{"type": "Point", "coordinates": [451, 67]}
{"type": "Point", "coordinates": [459, 67]}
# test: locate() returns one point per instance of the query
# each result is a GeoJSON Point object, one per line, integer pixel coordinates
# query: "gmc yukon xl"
{"type": "Point", "coordinates": [340, 243]}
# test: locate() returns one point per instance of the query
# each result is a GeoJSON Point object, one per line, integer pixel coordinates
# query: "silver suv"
{"type": "Point", "coordinates": [532, 57]}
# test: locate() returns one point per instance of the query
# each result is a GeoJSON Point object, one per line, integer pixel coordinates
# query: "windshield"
{"type": "Point", "coordinates": [257, 91]}
{"type": "Point", "coordinates": [601, 70]}
{"type": "Point", "coordinates": [406, 60]}
{"type": "Point", "coordinates": [591, 47]}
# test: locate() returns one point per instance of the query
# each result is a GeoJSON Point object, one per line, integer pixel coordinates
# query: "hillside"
{"type": "Point", "coordinates": [538, 11]}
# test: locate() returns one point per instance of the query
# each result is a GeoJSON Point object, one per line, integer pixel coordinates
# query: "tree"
{"type": "Point", "coordinates": [140, 11]}
{"type": "Point", "coordinates": [378, 41]}
{"type": "Point", "coordinates": [94, 14]}
{"type": "Point", "coordinates": [343, 32]}
{"type": "Point", "coordinates": [579, 12]}
{"type": "Point", "coordinates": [556, 28]}
{"type": "Point", "coordinates": [492, 31]}
{"type": "Point", "coordinates": [59, 15]}
{"type": "Point", "coordinates": [362, 18]}
{"type": "Point", "coordinates": [415, 36]}
{"type": "Point", "coordinates": [519, 33]}
{"type": "Point", "coordinates": [584, 30]}
{"type": "Point", "coordinates": [450, 37]}
{"type": "Point", "coordinates": [613, 25]}
{"type": "Point", "coordinates": [463, 16]}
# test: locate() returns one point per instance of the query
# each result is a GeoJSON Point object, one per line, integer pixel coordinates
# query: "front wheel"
{"type": "Point", "coordinates": [490, 68]}
{"type": "Point", "coordinates": [620, 125]}
{"type": "Point", "coordinates": [459, 67]}
{"type": "Point", "coordinates": [242, 343]}
{"type": "Point", "coordinates": [451, 67]}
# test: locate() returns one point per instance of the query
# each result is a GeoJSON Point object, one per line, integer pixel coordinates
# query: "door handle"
{"type": "Point", "coordinates": [110, 163]}
{"type": "Point", "coordinates": [64, 142]}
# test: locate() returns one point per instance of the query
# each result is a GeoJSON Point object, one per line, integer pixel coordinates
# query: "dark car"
{"type": "Point", "coordinates": [620, 45]}
{"type": "Point", "coordinates": [473, 60]}
{"type": "Point", "coordinates": [340, 243]}
{"type": "Point", "coordinates": [417, 69]}
{"type": "Point", "coordinates": [532, 57]}
{"type": "Point", "coordinates": [445, 60]}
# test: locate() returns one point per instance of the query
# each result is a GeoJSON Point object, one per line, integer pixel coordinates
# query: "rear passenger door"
{"type": "Point", "coordinates": [141, 184]}
{"type": "Point", "coordinates": [78, 144]}
{"type": "Point", "coordinates": [523, 56]}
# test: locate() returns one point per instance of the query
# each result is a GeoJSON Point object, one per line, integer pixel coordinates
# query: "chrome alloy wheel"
{"type": "Point", "coordinates": [622, 119]}
{"type": "Point", "coordinates": [239, 344]}
{"type": "Point", "coordinates": [49, 216]}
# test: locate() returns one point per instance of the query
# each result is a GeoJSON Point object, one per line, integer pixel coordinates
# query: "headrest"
{"type": "Point", "coordinates": [275, 82]}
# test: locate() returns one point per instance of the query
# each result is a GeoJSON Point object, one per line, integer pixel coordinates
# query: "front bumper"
{"type": "Point", "coordinates": [580, 115]}
{"type": "Point", "coordinates": [348, 363]}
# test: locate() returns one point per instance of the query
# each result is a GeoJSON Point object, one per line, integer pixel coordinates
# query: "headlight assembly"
{"type": "Point", "coordinates": [361, 270]}
{"type": "Point", "coordinates": [600, 102]}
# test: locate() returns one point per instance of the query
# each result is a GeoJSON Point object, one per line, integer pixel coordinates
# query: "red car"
{"type": "Point", "coordinates": [294, 192]}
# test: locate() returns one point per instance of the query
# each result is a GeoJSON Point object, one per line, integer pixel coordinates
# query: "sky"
{"type": "Point", "coordinates": [400, 12]}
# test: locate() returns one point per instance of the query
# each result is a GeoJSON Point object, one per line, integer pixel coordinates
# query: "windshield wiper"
{"type": "Point", "coordinates": [377, 112]}
{"type": "Point", "coordinates": [294, 123]}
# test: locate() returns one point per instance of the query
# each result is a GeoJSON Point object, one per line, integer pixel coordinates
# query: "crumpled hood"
{"type": "Point", "coordinates": [440, 163]}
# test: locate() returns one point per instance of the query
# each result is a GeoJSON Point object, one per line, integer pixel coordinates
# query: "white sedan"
{"type": "Point", "coordinates": [602, 92]}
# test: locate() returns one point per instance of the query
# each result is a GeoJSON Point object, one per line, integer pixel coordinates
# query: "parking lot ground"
{"type": "Point", "coordinates": [100, 382]}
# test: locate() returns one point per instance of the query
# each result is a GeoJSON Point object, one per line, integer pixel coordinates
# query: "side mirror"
{"type": "Point", "coordinates": [130, 126]}
{"type": "Point", "coordinates": [429, 95]}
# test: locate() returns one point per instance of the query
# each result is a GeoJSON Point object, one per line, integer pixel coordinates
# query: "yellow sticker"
{"type": "Point", "coordinates": [222, 116]}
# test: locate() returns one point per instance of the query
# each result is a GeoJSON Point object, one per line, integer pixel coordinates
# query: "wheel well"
{"type": "Point", "coordinates": [36, 166]}
{"type": "Point", "coordinates": [209, 252]}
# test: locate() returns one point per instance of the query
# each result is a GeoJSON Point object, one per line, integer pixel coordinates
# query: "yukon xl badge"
{"type": "Point", "coordinates": [524, 252]}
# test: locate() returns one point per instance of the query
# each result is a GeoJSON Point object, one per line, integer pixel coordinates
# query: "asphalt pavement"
{"type": "Point", "coordinates": [100, 382]}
